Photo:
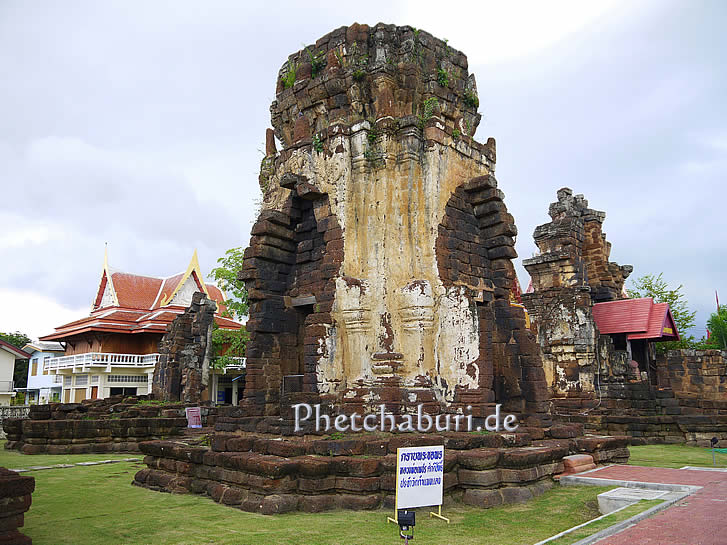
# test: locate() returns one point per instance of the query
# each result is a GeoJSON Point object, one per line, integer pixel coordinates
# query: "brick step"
{"type": "Point", "coordinates": [577, 463]}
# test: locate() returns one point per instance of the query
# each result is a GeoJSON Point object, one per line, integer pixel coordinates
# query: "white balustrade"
{"type": "Point", "coordinates": [102, 359]}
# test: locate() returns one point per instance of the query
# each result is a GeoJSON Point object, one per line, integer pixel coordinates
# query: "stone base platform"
{"type": "Point", "coordinates": [269, 474]}
{"type": "Point", "coordinates": [15, 499]}
{"type": "Point", "coordinates": [98, 426]}
{"type": "Point", "coordinates": [694, 430]}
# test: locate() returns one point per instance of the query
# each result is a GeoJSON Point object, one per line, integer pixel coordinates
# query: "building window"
{"type": "Point", "coordinates": [67, 380]}
{"type": "Point", "coordinates": [94, 379]}
{"type": "Point", "coordinates": [45, 366]}
{"type": "Point", "coordinates": [123, 391]}
{"type": "Point", "coordinates": [34, 370]}
{"type": "Point", "coordinates": [127, 378]}
{"type": "Point", "coordinates": [81, 380]}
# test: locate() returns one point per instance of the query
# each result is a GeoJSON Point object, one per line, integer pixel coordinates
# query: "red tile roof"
{"type": "Point", "coordinates": [14, 350]}
{"type": "Point", "coordinates": [143, 304]}
{"type": "Point", "coordinates": [638, 318]}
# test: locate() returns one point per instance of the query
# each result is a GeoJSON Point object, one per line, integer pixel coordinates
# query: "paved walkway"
{"type": "Point", "coordinates": [698, 519]}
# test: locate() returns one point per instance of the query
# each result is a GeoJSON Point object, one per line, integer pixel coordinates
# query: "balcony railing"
{"type": "Point", "coordinates": [102, 359]}
{"type": "Point", "coordinates": [6, 386]}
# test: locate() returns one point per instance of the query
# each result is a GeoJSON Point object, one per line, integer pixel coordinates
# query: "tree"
{"type": "Point", "coordinates": [657, 288]}
{"type": "Point", "coordinates": [17, 339]}
{"type": "Point", "coordinates": [20, 372]}
{"type": "Point", "coordinates": [717, 326]}
{"type": "Point", "coordinates": [229, 343]}
{"type": "Point", "coordinates": [226, 277]}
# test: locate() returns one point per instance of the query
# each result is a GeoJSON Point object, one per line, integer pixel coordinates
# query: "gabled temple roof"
{"type": "Point", "coordinates": [132, 303]}
{"type": "Point", "coordinates": [638, 318]}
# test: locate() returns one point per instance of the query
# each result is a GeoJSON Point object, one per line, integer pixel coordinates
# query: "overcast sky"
{"type": "Point", "coordinates": [140, 124]}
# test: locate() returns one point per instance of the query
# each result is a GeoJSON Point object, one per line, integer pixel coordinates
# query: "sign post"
{"type": "Point", "coordinates": [419, 479]}
{"type": "Point", "coordinates": [194, 417]}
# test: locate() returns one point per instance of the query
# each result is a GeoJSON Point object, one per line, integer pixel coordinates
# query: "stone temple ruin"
{"type": "Point", "coordinates": [598, 346]}
{"type": "Point", "coordinates": [379, 273]}
{"type": "Point", "coordinates": [380, 268]}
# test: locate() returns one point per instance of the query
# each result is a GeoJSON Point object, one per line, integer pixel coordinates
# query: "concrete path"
{"type": "Point", "coordinates": [698, 519]}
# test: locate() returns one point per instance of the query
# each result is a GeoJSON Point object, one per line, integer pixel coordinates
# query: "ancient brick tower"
{"type": "Point", "coordinates": [380, 267]}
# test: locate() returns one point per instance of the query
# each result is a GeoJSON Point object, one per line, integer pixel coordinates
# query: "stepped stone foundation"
{"type": "Point", "coordinates": [15, 499]}
{"type": "Point", "coordinates": [114, 424]}
{"type": "Point", "coordinates": [269, 475]}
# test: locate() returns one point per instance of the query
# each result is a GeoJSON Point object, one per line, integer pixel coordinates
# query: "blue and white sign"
{"type": "Point", "coordinates": [419, 476]}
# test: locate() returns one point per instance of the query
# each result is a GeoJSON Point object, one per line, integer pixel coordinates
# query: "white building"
{"type": "Point", "coordinates": [8, 355]}
{"type": "Point", "coordinates": [43, 387]}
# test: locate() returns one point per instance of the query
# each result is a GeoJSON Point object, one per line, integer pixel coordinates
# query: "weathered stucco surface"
{"type": "Point", "coordinates": [380, 267]}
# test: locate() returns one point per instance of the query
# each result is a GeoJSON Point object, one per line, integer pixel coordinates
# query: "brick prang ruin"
{"type": "Point", "coordinates": [380, 267]}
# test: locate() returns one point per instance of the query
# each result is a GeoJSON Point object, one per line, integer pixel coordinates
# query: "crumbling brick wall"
{"type": "Point", "coordinates": [15, 497]}
{"type": "Point", "coordinates": [182, 371]}
{"type": "Point", "coordinates": [571, 273]}
{"type": "Point", "coordinates": [697, 376]}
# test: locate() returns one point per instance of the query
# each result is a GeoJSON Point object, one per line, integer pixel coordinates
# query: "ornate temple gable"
{"type": "Point", "coordinates": [183, 286]}
{"type": "Point", "coordinates": [106, 295]}
{"type": "Point", "coordinates": [132, 303]}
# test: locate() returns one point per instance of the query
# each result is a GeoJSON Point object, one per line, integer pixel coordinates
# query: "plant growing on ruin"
{"type": "Point", "coordinates": [317, 143]}
{"type": "Point", "coordinates": [289, 77]}
{"type": "Point", "coordinates": [471, 99]}
{"type": "Point", "coordinates": [427, 110]}
{"type": "Point", "coordinates": [358, 74]}
{"type": "Point", "coordinates": [317, 61]}
{"type": "Point", "coordinates": [442, 77]}
{"type": "Point", "coordinates": [455, 134]}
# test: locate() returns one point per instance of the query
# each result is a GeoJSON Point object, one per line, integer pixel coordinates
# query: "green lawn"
{"type": "Point", "coordinates": [605, 522]}
{"type": "Point", "coordinates": [675, 456]}
{"type": "Point", "coordinates": [13, 459]}
{"type": "Point", "coordinates": [97, 504]}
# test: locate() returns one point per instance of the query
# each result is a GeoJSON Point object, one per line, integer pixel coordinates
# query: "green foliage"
{"type": "Point", "coordinates": [372, 136]}
{"type": "Point", "coordinates": [471, 99]}
{"type": "Point", "coordinates": [336, 435]}
{"type": "Point", "coordinates": [17, 339]}
{"type": "Point", "coordinates": [442, 77]}
{"type": "Point", "coordinates": [657, 288]}
{"type": "Point", "coordinates": [232, 342]}
{"type": "Point", "coordinates": [427, 110]}
{"type": "Point", "coordinates": [359, 74]}
{"type": "Point", "coordinates": [456, 134]}
{"type": "Point", "coordinates": [289, 77]}
{"type": "Point", "coordinates": [226, 277]}
{"type": "Point", "coordinates": [317, 61]}
{"type": "Point", "coordinates": [317, 143]}
{"type": "Point", "coordinates": [717, 325]}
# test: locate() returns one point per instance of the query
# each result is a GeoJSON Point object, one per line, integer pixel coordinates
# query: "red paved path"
{"type": "Point", "coordinates": [699, 519]}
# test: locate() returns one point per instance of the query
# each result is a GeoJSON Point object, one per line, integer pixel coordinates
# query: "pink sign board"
{"type": "Point", "coordinates": [194, 417]}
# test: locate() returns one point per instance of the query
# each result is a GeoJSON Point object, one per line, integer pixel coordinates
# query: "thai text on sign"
{"type": "Point", "coordinates": [419, 476]}
{"type": "Point", "coordinates": [194, 417]}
